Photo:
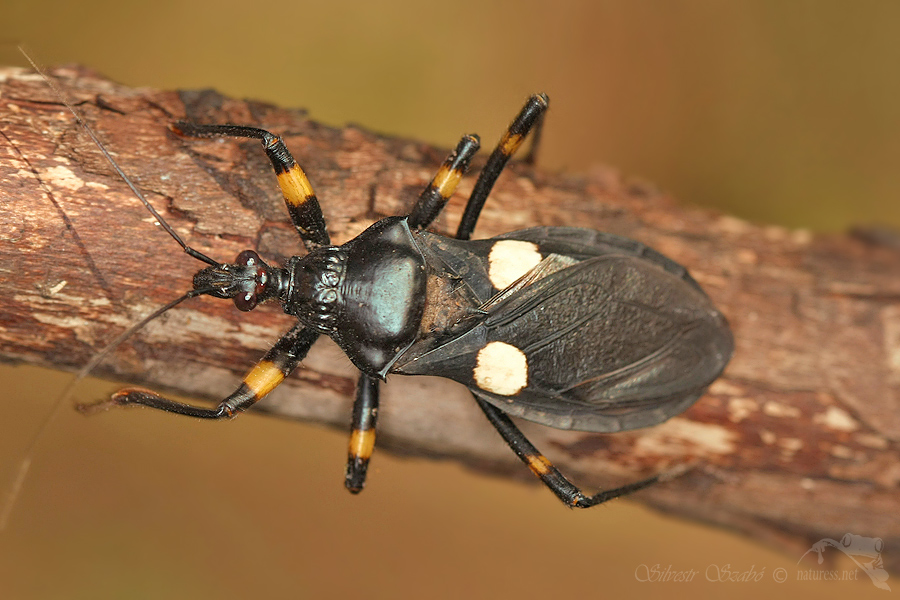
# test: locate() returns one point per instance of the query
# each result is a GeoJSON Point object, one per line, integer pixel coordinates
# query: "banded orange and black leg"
{"type": "Point", "coordinates": [365, 409]}
{"type": "Point", "coordinates": [529, 119]}
{"type": "Point", "coordinates": [436, 194]}
{"type": "Point", "coordinates": [268, 373]}
{"type": "Point", "coordinates": [565, 490]}
{"type": "Point", "coordinates": [299, 197]}
{"type": "Point", "coordinates": [362, 433]}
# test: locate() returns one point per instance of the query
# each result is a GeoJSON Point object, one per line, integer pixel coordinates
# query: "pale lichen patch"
{"type": "Point", "coordinates": [839, 451]}
{"type": "Point", "coordinates": [767, 437]}
{"type": "Point", "coordinates": [837, 419]}
{"type": "Point", "coordinates": [63, 177]}
{"type": "Point", "coordinates": [789, 447]}
{"type": "Point", "coordinates": [871, 440]}
{"type": "Point", "coordinates": [779, 410]}
{"type": "Point", "coordinates": [741, 408]}
{"type": "Point", "coordinates": [677, 437]}
{"type": "Point", "coordinates": [720, 387]}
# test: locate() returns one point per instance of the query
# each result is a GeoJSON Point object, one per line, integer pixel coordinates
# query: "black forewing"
{"type": "Point", "coordinates": [468, 259]}
{"type": "Point", "coordinates": [617, 341]}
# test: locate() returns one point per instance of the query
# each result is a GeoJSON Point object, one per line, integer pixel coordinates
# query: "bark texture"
{"type": "Point", "coordinates": [797, 442]}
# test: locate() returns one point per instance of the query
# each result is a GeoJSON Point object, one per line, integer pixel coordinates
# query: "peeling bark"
{"type": "Point", "coordinates": [797, 442]}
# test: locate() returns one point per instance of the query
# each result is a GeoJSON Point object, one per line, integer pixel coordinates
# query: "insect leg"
{"type": "Point", "coordinates": [301, 201]}
{"type": "Point", "coordinates": [531, 156]}
{"type": "Point", "coordinates": [530, 118]}
{"type": "Point", "coordinates": [523, 123]}
{"type": "Point", "coordinates": [433, 198]}
{"type": "Point", "coordinates": [543, 468]}
{"type": "Point", "coordinates": [365, 409]}
{"type": "Point", "coordinates": [277, 364]}
{"type": "Point", "coordinates": [362, 432]}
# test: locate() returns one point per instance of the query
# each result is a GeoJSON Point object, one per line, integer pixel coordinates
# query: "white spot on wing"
{"type": "Point", "coordinates": [501, 369]}
{"type": "Point", "coordinates": [509, 260]}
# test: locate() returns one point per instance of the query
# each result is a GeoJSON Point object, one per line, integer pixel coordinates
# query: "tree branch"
{"type": "Point", "coordinates": [798, 441]}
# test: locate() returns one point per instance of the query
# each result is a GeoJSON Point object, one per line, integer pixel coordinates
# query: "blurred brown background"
{"type": "Point", "coordinates": [776, 112]}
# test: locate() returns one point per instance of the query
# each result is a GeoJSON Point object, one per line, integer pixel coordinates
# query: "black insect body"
{"type": "Point", "coordinates": [567, 327]}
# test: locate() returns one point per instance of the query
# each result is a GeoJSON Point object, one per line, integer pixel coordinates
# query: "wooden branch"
{"type": "Point", "coordinates": [798, 441]}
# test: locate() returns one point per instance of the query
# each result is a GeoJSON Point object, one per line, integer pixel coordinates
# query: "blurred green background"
{"type": "Point", "coordinates": [778, 112]}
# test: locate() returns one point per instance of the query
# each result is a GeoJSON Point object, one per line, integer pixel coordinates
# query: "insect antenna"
{"type": "Point", "coordinates": [137, 192]}
{"type": "Point", "coordinates": [98, 358]}
{"type": "Point", "coordinates": [25, 465]}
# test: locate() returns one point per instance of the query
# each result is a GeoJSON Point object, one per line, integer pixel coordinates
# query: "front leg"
{"type": "Point", "coordinates": [277, 364]}
{"type": "Point", "coordinates": [299, 197]}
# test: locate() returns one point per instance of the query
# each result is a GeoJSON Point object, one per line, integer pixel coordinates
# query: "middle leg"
{"type": "Point", "coordinates": [362, 432]}
{"type": "Point", "coordinates": [434, 197]}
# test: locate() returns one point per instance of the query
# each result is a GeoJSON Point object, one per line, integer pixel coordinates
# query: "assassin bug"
{"type": "Point", "coordinates": [567, 327]}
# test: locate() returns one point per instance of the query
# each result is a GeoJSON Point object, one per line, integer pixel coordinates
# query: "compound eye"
{"type": "Point", "coordinates": [246, 301]}
{"type": "Point", "coordinates": [247, 258]}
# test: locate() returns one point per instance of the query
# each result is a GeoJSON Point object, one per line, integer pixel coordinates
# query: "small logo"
{"type": "Point", "coordinates": [864, 551]}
